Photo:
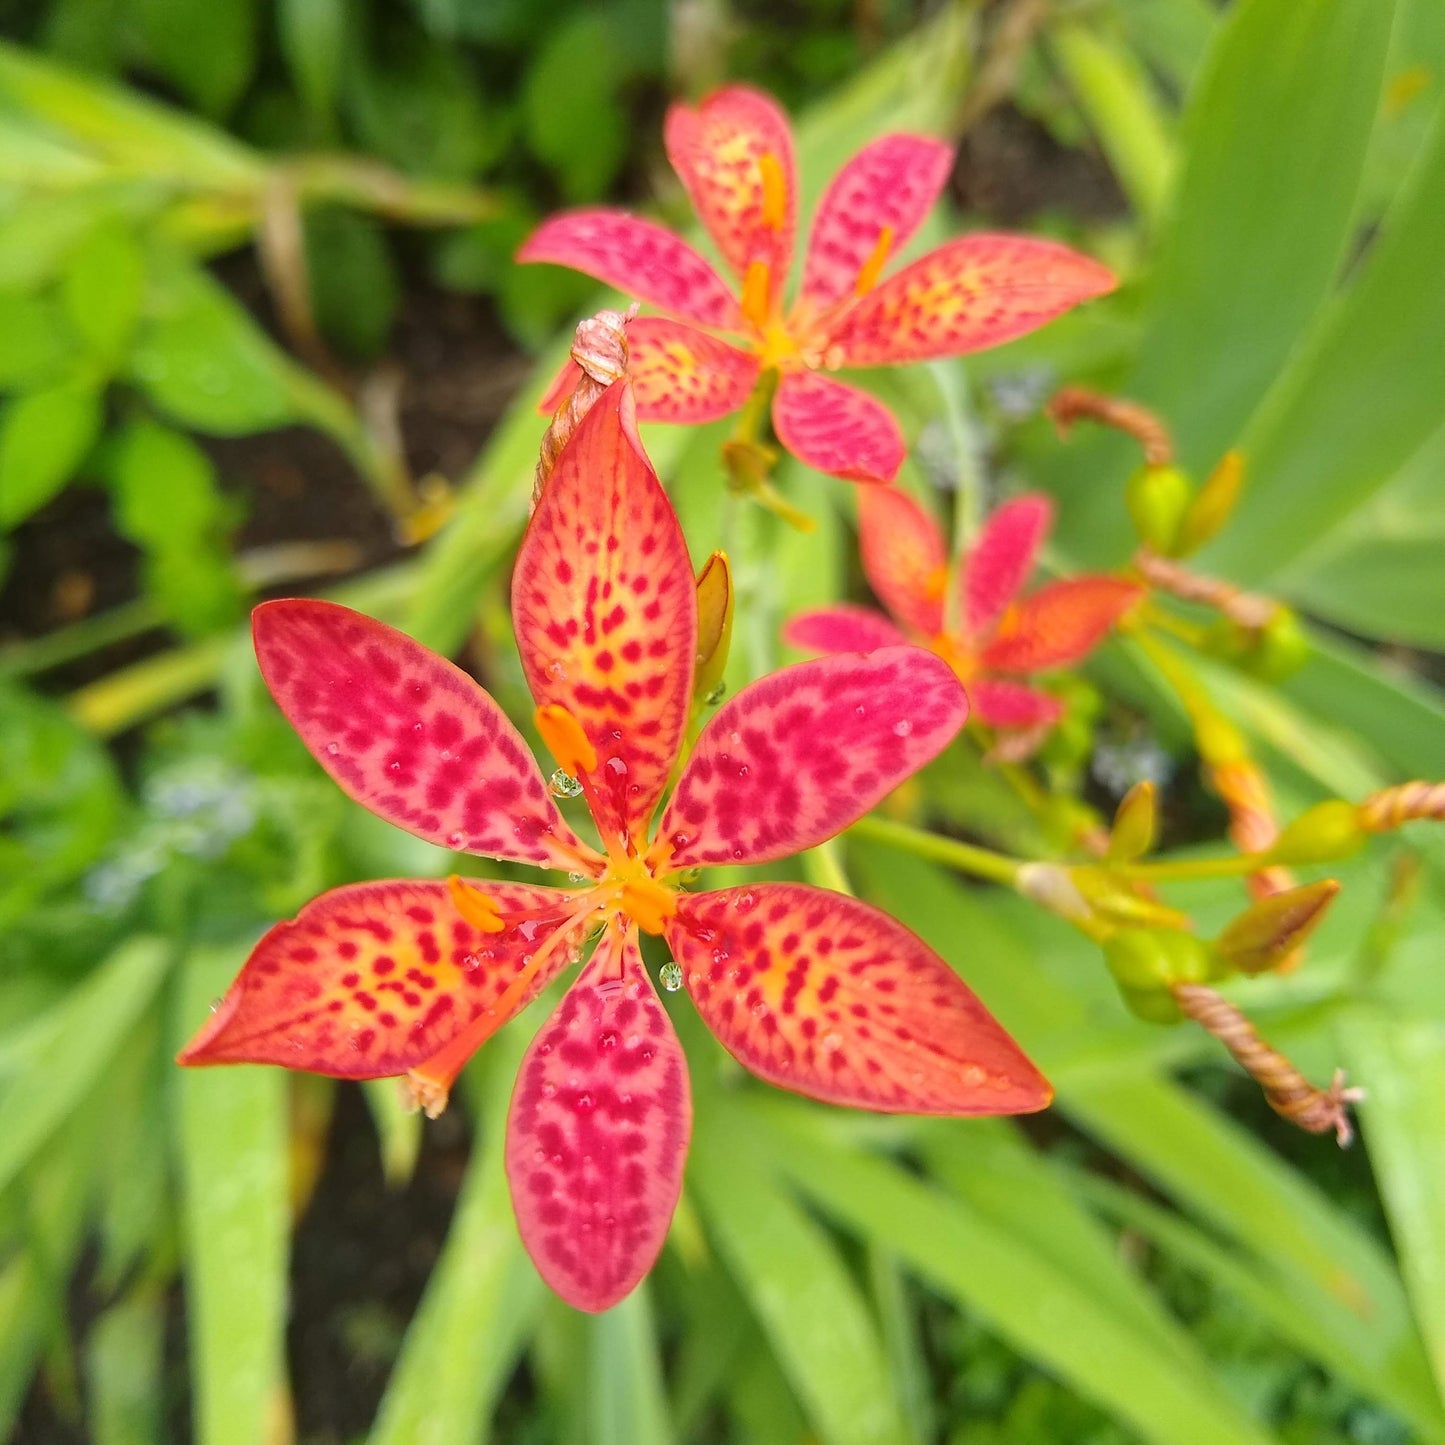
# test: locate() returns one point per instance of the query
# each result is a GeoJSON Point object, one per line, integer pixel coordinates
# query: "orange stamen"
{"type": "Point", "coordinates": [757, 297]}
{"type": "Point", "coordinates": [565, 739]}
{"type": "Point", "coordinates": [873, 266]}
{"type": "Point", "coordinates": [775, 192]}
{"type": "Point", "coordinates": [478, 908]}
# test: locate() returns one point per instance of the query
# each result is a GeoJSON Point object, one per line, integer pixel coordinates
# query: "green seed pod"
{"type": "Point", "coordinates": [1157, 498]}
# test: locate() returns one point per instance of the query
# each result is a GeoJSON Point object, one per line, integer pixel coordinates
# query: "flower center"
{"type": "Point", "coordinates": [646, 901]}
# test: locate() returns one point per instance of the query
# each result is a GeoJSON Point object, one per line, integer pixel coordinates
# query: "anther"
{"type": "Point", "coordinates": [479, 909]}
{"type": "Point", "coordinates": [775, 192]}
{"type": "Point", "coordinates": [565, 739]}
{"type": "Point", "coordinates": [757, 299]}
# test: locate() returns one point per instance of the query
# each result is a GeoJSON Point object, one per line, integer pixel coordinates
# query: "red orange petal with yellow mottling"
{"type": "Point", "coordinates": [972, 293]}
{"type": "Point", "coordinates": [639, 258]}
{"type": "Point", "coordinates": [822, 994]}
{"type": "Point", "coordinates": [605, 611]}
{"type": "Point", "coordinates": [870, 212]}
{"type": "Point", "coordinates": [844, 628]}
{"type": "Point", "coordinates": [680, 374]}
{"type": "Point", "coordinates": [1001, 559]}
{"type": "Point", "coordinates": [802, 753]}
{"type": "Point", "coordinates": [372, 979]}
{"type": "Point", "coordinates": [837, 429]}
{"type": "Point", "coordinates": [598, 1131]}
{"type": "Point", "coordinates": [734, 154]}
{"type": "Point", "coordinates": [903, 557]}
{"type": "Point", "coordinates": [409, 735]}
{"type": "Point", "coordinates": [1003, 704]}
{"type": "Point", "coordinates": [1059, 624]}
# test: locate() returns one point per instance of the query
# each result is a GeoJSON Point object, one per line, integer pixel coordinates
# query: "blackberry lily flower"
{"type": "Point", "coordinates": [1000, 636]}
{"type": "Point", "coordinates": [811, 990]}
{"type": "Point", "coordinates": [734, 154]}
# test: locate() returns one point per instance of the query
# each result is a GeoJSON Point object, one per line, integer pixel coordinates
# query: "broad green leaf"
{"type": "Point", "coordinates": [231, 1138]}
{"type": "Point", "coordinates": [1364, 396]}
{"type": "Point", "coordinates": [139, 135]}
{"type": "Point", "coordinates": [1403, 1059]}
{"type": "Point", "coordinates": [123, 1371]}
{"type": "Point", "coordinates": [1172, 35]}
{"type": "Point", "coordinates": [354, 286]}
{"type": "Point", "coordinates": [53, 1062]}
{"type": "Point", "coordinates": [791, 1274]}
{"type": "Point", "coordinates": [1274, 142]}
{"type": "Point", "coordinates": [628, 1405]}
{"type": "Point", "coordinates": [102, 286]}
{"type": "Point", "coordinates": [38, 232]}
{"type": "Point", "coordinates": [44, 437]}
{"type": "Point", "coordinates": [482, 1299]}
{"type": "Point", "coordinates": [1042, 1309]}
{"type": "Point", "coordinates": [35, 342]}
{"type": "Point", "coordinates": [206, 48]}
{"type": "Point", "coordinates": [164, 486]}
{"type": "Point", "coordinates": [313, 36]}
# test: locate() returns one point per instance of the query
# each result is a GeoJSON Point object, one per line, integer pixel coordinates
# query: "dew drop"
{"type": "Point", "coordinates": [607, 1040]}
{"type": "Point", "coordinates": [418, 728]}
{"type": "Point", "coordinates": [617, 767]}
{"type": "Point", "coordinates": [902, 728]}
{"type": "Point", "coordinates": [737, 853]}
{"type": "Point", "coordinates": [576, 877]}
{"type": "Point", "coordinates": [860, 710]}
{"type": "Point", "coordinates": [646, 1056]}
{"type": "Point", "coordinates": [544, 1048]}
{"type": "Point", "coordinates": [215, 1005]}
{"type": "Point", "coordinates": [742, 770]}
{"type": "Point", "coordinates": [716, 693]}
{"type": "Point", "coordinates": [549, 1091]}
{"type": "Point", "coordinates": [735, 738]}
{"type": "Point", "coordinates": [760, 1010]}
{"type": "Point", "coordinates": [455, 840]}
{"type": "Point", "coordinates": [563, 785]}
{"type": "Point", "coordinates": [584, 1104]}
{"type": "Point", "coordinates": [332, 749]}
{"type": "Point", "coordinates": [445, 755]}
{"type": "Point", "coordinates": [670, 976]}
{"type": "Point", "coordinates": [393, 768]}
{"type": "Point", "coordinates": [832, 1042]}
{"type": "Point", "coordinates": [556, 671]}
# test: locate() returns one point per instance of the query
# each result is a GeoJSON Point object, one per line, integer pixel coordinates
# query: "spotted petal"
{"type": "Point", "coordinates": [372, 979]}
{"type": "Point", "coordinates": [605, 611]}
{"type": "Point", "coordinates": [639, 258]}
{"type": "Point", "coordinates": [1059, 624]}
{"type": "Point", "coordinates": [1002, 558]}
{"type": "Point", "coordinates": [802, 753]}
{"type": "Point", "coordinates": [598, 1131]}
{"type": "Point", "coordinates": [843, 628]}
{"type": "Point", "coordinates": [822, 994]}
{"type": "Point", "coordinates": [972, 293]}
{"type": "Point", "coordinates": [870, 212]}
{"type": "Point", "coordinates": [903, 557]}
{"type": "Point", "coordinates": [409, 735]}
{"type": "Point", "coordinates": [680, 374]}
{"type": "Point", "coordinates": [836, 428]}
{"type": "Point", "coordinates": [734, 154]}
{"type": "Point", "coordinates": [1003, 704]}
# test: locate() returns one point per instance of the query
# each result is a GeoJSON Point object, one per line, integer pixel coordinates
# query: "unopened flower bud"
{"type": "Point", "coordinates": [1157, 498]}
{"type": "Point", "coordinates": [1270, 931]}
{"type": "Point", "coordinates": [1213, 505]}
{"type": "Point", "coordinates": [1321, 834]}
{"type": "Point", "coordinates": [1147, 962]}
{"type": "Point", "coordinates": [714, 625]}
{"type": "Point", "coordinates": [1135, 824]}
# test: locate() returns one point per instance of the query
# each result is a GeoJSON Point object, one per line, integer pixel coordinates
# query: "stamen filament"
{"type": "Point", "coordinates": [757, 298]}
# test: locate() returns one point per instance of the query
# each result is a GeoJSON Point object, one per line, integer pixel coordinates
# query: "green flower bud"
{"type": "Point", "coordinates": [1320, 834]}
{"type": "Point", "coordinates": [1157, 498]}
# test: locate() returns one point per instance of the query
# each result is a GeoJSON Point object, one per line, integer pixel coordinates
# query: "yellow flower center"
{"type": "Point", "coordinates": [648, 902]}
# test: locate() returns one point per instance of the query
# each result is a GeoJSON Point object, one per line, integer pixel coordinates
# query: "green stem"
{"type": "Point", "coordinates": [1185, 870]}
{"type": "Point", "coordinates": [965, 857]}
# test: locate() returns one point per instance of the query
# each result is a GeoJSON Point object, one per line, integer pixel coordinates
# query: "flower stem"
{"type": "Point", "coordinates": [965, 857]}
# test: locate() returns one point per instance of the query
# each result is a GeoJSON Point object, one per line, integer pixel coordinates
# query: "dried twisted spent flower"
{"type": "Point", "coordinates": [599, 349]}
{"type": "Point", "coordinates": [1287, 1091]}
{"type": "Point", "coordinates": [1075, 403]}
{"type": "Point", "coordinates": [1406, 803]}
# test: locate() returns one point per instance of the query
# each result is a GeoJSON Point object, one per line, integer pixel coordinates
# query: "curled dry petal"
{"type": "Point", "coordinates": [372, 979]}
{"type": "Point", "coordinates": [680, 374]}
{"type": "Point", "coordinates": [822, 994]}
{"type": "Point", "coordinates": [409, 735]}
{"type": "Point", "coordinates": [979, 291]}
{"type": "Point", "coordinates": [734, 154]}
{"type": "Point", "coordinates": [1001, 559]}
{"type": "Point", "coordinates": [639, 258]}
{"type": "Point", "coordinates": [837, 429]}
{"type": "Point", "coordinates": [598, 1131]}
{"type": "Point", "coordinates": [801, 754]}
{"type": "Point", "coordinates": [1060, 624]}
{"type": "Point", "coordinates": [875, 203]}
{"type": "Point", "coordinates": [844, 628]}
{"type": "Point", "coordinates": [605, 611]}
{"type": "Point", "coordinates": [903, 558]}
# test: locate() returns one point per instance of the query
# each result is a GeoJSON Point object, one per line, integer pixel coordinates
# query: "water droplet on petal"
{"type": "Point", "coordinates": [670, 977]}
{"type": "Point", "coordinates": [576, 877]}
{"type": "Point", "coordinates": [760, 1010]}
{"type": "Point", "coordinates": [556, 671]}
{"type": "Point", "coordinates": [563, 785]}
{"type": "Point", "coordinates": [215, 1005]}
{"type": "Point", "coordinates": [455, 840]}
{"type": "Point", "coordinates": [549, 1091]}
{"type": "Point", "coordinates": [832, 1042]}
{"type": "Point", "coordinates": [860, 710]}
{"type": "Point", "coordinates": [617, 767]}
{"type": "Point", "coordinates": [332, 749]}
{"type": "Point", "coordinates": [418, 728]}
{"type": "Point", "coordinates": [902, 728]}
{"type": "Point", "coordinates": [393, 768]}
{"type": "Point", "coordinates": [607, 1040]}
{"type": "Point", "coordinates": [585, 1104]}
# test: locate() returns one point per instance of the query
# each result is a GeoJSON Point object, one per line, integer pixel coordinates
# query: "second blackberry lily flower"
{"type": "Point", "coordinates": [734, 154]}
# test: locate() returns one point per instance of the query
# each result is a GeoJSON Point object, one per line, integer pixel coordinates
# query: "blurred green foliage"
{"type": "Point", "coordinates": [1157, 1260]}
